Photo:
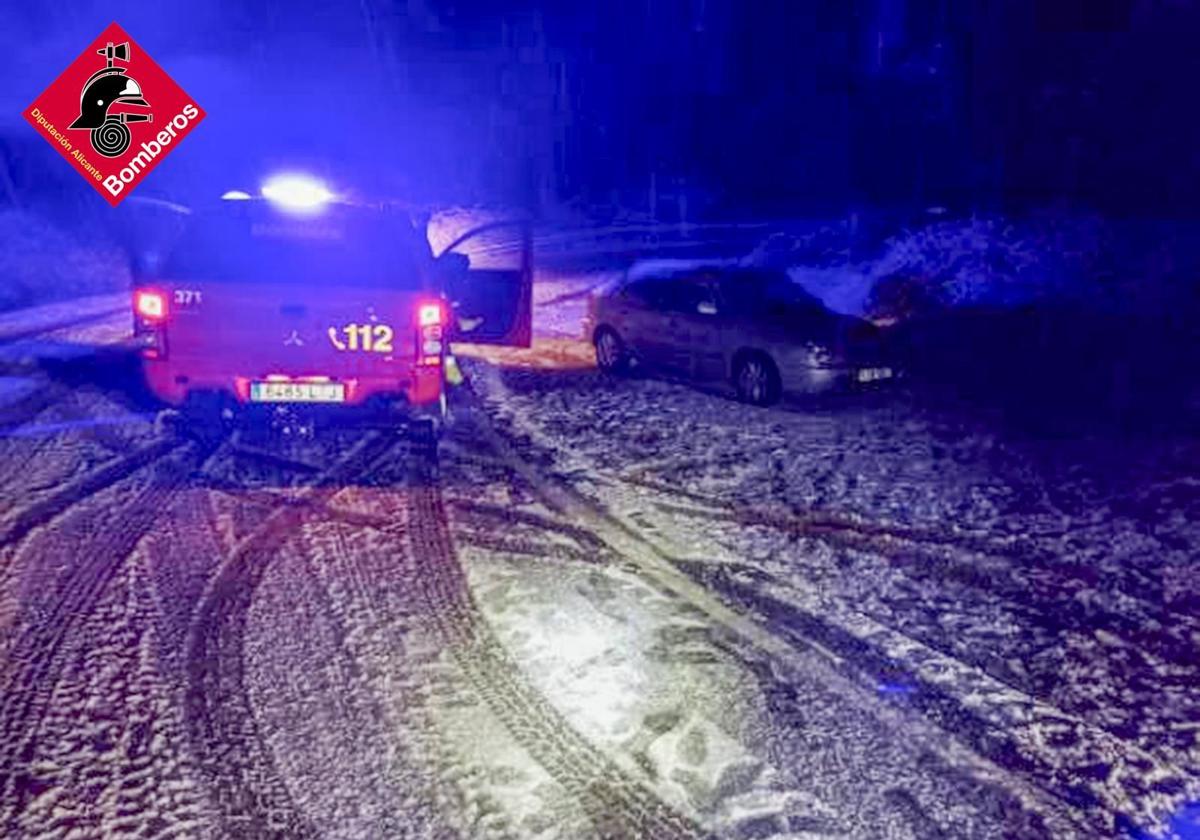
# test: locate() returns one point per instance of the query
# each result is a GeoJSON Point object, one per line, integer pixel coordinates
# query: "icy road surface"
{"type": "Point", "coordinates": [622, 608]}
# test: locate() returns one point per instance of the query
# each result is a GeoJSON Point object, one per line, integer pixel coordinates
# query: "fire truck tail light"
{"type": "Point", "coordinates": [429, 341]}
{"type": "Point", "coordinates": [149, 323]}
{"type": "Point", "coordinates": [429, 315]}
{"type": "Point", "coordinates": [150, 305]}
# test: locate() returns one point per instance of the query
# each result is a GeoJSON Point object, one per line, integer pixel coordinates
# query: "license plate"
{"type": "Point", "coordinates": [297, 392]}
{"type": "Point", "coordinates": [874, 374]}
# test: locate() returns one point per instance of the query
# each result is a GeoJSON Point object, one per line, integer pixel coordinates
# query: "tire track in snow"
{"type": "Point", "coordinates": [1031, 582]}
{"type": "Point", "coordinates": [254, 801]}
{"type": "Point", "coordinates": [508, 515]}
{"type": "Point", "coordinates": [41, 512]}
{"type": "Point", "coordinates": [817, 520]}
{"type": "Point", "coordinates": [956, 558]}
{"type": "Point", "coordinates": [1071, 760]}
{"type": "Point", "coordinates": [29, 407]}
{"type": "Point", "coordinates": [35, 660]}
{"type": "Point", "coordinates": [665, 568]}
{"type": "Point", "coordinates": [112, 758]}
{"type": "Point", "coordinates": [618, 805]}
{"type": "Point", "coordinates": [1103, 775]}
{"type": "Point", "coordinates": [986, 570]}
{"type": "Point", "coordinates": [839, 646]}
{"type": "Point", "coordinates": [529, 548]}
{"type": "Point", "coordinates": [24, 456]}
{"type": "Point", "coordinates": [21, 460]}
{"type": "Point", "coordinates": [401, 788]}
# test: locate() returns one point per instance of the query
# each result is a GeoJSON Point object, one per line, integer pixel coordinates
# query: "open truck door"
{"type": "Point", "coordinates": [487, 275]}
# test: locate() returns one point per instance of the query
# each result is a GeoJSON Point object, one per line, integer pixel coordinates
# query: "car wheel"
{"type": "Point", "coordinates": [757, 380]}
{"type": "Point", "coordinates": [611, 353]}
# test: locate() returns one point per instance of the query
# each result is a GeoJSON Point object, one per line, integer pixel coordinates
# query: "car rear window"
{"type": "Point", "coordinates": [672, 292]}
{"type": "Point", "coordinates": [271, 248]}
{"type": "Point", "coordinates": [758, 291]}
{"type": "Point", "coordinates": [646, 290]}
{"type": "Point", "coordinates": [683, 295]}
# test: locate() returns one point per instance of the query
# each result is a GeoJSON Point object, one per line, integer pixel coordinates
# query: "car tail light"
{"type": "Point", "coordinates": [150, 304]}
{"type": "Point", "coordinates": [429, 321]}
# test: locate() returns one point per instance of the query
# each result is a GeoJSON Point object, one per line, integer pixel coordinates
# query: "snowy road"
{"type": "Point", "coordinates": [621, 609]}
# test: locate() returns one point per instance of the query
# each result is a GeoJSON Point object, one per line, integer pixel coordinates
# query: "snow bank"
{"type": "Point", "coordinates": [41, 262]}
{"type": "Point", "coordinates": [813, 245]}
{"type": "Point", "coordinates": [986, 261]}
{"type": "Point", "coordinates": [662, 267]}
{"type": "Point", "coordinates": [981, 261]}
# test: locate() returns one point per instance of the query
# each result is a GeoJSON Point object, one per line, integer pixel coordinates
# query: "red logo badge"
{"type": "Point", "coordinates": [114, 114]}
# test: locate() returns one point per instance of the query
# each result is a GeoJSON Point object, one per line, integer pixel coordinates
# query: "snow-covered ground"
{"type": "Point", "coordinates": [623, 608]}
{"type": "Point", "coordinates": [1037, 599]}
{"type": "Point", "coordinates": [42, 262]}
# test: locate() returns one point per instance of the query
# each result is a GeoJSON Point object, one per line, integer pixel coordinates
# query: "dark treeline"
{"type": "Point", "coordinates": [822, 105]}
{"type": "Point", "coordinates": [676, 106]}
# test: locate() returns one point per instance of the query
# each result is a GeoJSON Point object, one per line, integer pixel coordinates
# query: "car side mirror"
{"type": "Point", "coordinates": [706, 308]}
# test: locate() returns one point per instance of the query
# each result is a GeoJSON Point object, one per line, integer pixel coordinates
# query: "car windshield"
{"type": "Point", "coordinates": [342, 249]}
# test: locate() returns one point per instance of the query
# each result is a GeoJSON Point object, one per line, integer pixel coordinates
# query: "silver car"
{"type": "Point", "coordinates": [751, 328]}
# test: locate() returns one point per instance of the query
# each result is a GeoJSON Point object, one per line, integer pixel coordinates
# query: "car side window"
{"type": "Point", "coordinates": [762, 295]}
{"type": "Point", "coordinates": [641, 291]}
{"type": "Point", "coordinates": [683, 294]}
{"type": "Point", "coordinates": [709, 294]}
{"type": "Point", "coordinates": [739, 298]}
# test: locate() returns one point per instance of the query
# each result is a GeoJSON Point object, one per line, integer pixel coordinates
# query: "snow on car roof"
{"type": "Point", "coordinates": [668, 267]}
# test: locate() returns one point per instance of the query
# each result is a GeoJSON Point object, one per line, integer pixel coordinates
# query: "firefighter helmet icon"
{"type": "Point", "coordinates": [106, 87]}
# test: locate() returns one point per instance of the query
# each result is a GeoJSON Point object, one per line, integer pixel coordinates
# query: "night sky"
{"type": "Point", "coordinates": [743, 108]}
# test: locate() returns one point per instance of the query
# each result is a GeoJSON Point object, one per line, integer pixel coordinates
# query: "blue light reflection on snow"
{"type": "Point", "coordinates": [1184, 824]}
{"type": "Point", "coordinates": [894, 689]}
{"type": "Point", "coordinates": [48, 429]}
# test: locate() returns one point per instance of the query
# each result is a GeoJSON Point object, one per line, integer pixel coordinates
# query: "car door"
{"type": "Point", "coordinates": [492, 304]}
{"type": "Point", "coordinates": [637, 312]}
{"type": "Point", "coordinates": [739, 301]}
{"type": "Point", "coordinates": [709, 329]}
{"type": "Point", "coordinates": [682, 325]}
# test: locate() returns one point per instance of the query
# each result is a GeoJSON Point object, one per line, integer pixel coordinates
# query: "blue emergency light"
{"type": "Point", "coordinates": [297, 193]}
